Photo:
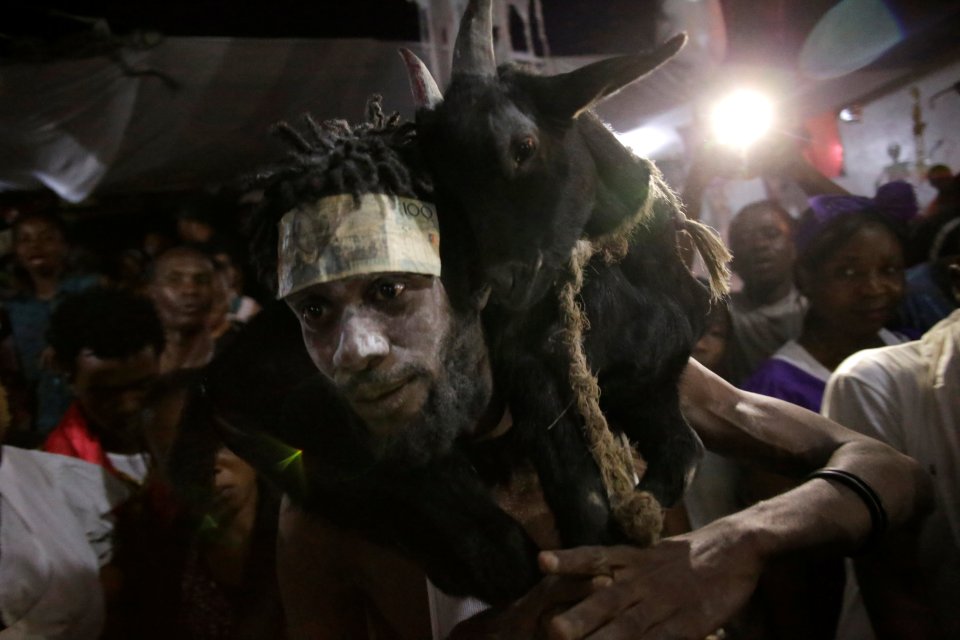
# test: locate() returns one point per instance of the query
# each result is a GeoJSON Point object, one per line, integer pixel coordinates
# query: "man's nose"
{"type": "Point", "coordinates": [361, 343]}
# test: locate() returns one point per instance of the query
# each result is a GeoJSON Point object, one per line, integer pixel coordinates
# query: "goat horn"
{"type": "Point", "coordinates": [426, 93]}
{"type": "Point", "coordinates": [473, 52]}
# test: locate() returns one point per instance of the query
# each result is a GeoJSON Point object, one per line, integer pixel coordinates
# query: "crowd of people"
{"type": "Point", "coordinates": [125, 514]}
{"type": "Point", "coordinates": [838, 284]}
{"type": "Point", "coordinates": [97, 370]}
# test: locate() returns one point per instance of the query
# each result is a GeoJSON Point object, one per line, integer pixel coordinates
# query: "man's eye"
{"type": "Point", "coordinates": [312, 312]}
{"type": "Point", "coordinates": [390, 290]}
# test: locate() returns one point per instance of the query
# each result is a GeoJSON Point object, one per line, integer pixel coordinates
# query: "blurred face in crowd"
{"type": "Point", "coordinates": [858, 286]}
{"type": "Point", "coordinates": [413, 370]}
{"type": "Point", "coordinates": [112, 391]}
{"type": "Point", "coordinates": [192, 230]}
{"type": "Point", "coordinates": [762, 246]}
{"type": "Point", "coordinates": [712, 345]}
{"type": "Point", "coordinates": [39, 246]}
{"type": "Point", "coordinates": [230, 273]}
{"type": "Point", "coordinates": [183, 289]}
{"type": "Point", "coordinates": [234, 483]}
{"type": "Point", "coordinates": [155, 243]}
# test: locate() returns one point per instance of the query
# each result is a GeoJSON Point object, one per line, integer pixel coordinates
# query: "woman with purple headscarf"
{"type": "Point", "coordinates": [850, 267]}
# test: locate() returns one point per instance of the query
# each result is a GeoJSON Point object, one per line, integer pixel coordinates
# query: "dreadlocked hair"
{"type": "Point", "coordinates": [330, 158]}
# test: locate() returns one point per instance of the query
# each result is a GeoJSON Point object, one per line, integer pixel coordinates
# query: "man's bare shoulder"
{"type": "Point", "coordinates": [299, 527]}
{"type": "Point", "coordinates": [336, 583]}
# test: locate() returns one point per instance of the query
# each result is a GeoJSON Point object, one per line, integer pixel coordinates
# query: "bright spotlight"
{"type": "Point", "coordinates": [742, 118]}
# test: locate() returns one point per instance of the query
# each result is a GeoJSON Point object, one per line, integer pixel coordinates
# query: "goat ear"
{"type": "Point", "coordinates": [426, 93]}
{"type": "Point", "coordinates": [568, 94]}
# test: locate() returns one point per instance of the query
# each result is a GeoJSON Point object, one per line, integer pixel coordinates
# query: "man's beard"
{"type": "Point", "coordinates": [455, 404]}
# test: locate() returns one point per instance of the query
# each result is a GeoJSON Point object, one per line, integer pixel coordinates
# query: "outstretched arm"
{"type": "Point", "coordinates": [690, 585]}
{"type": "Point", "coordinates": [793, 441]}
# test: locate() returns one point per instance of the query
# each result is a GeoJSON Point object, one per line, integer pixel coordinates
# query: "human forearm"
{"type": "Point", "coordinates": [690, 585]}
{"type": "Point", "coordinates": [812, 182]}
{"type": "Point", "coordinates": [787, 439]}
{"type": "Point", "coordinates": [825, 514]}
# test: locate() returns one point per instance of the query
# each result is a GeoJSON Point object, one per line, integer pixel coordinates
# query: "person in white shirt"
{"type": "Point", "coordinates": [909, 397]}
{"type": "Point", "coordinates": [56, 527]}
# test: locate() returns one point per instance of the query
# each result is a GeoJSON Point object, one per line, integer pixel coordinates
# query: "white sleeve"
{"type": "Point", "coordinates": [93, 494]}
{"type": "Point", "coordinates": [860, 396]}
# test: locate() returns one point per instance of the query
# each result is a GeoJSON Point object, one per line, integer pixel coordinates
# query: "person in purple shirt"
{"type": "Point", "coordinates": [850, 267]}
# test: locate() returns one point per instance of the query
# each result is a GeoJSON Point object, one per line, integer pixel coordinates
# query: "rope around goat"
{"type": "Point", "coordinates": [638, 513]}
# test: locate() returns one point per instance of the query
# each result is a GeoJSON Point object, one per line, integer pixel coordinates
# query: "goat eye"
{"type": "Point", "coordinates": [523, 149]}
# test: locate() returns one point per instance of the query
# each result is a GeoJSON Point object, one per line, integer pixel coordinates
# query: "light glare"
{"type": "Point", "coordinates": [649, 140]}
{"type": "Point", "coordinates": [742, 118]}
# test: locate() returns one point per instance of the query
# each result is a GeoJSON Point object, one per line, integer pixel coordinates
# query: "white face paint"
{"type": "Point", "coordinates": [414, 373]}
{"type": "Point", "coordinates": [378, 339]}
{"type": "Point", "coordinates": [361, 338]}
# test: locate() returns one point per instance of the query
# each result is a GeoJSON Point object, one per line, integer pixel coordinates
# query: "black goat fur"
{"type": "Point", "coordinates": [644, 311]}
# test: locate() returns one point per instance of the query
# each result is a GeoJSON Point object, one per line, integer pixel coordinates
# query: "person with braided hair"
{"type": "Point", "coordinates": [346, 233]}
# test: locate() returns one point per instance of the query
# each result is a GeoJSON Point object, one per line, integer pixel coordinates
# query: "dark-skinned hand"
{"type": "Point", "coordinates": [526, 618]}
{"type": "Point", "coordinates": [684, 587]}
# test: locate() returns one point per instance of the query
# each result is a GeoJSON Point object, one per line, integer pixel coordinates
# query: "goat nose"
{"type": "Point", "coordinates": [361, 341]}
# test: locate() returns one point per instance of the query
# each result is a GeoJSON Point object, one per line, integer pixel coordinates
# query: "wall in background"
{"type": "Point", "coordinates": [889, 120]}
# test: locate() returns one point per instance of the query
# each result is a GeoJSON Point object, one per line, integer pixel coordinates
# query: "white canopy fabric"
{"type": "Point", "coordinates": [79, 125]}
{"type": "Point", "coordinates": [201, 112]}
{"type": "Point", "coordinates": [195, 111]}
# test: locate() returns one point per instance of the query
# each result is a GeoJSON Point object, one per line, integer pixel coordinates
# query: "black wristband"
{"type": "Point", "coordinates": [878, 515]}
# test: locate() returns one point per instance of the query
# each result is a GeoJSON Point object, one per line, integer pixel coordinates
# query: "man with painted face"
{"type": "Point", "coordinates": [346, 225]}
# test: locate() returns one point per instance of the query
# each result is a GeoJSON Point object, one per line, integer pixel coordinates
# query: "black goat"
{"type": "Point", "coordinates": [645, 310]}
{"type": "Point", "coordinates": [524, 172]}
